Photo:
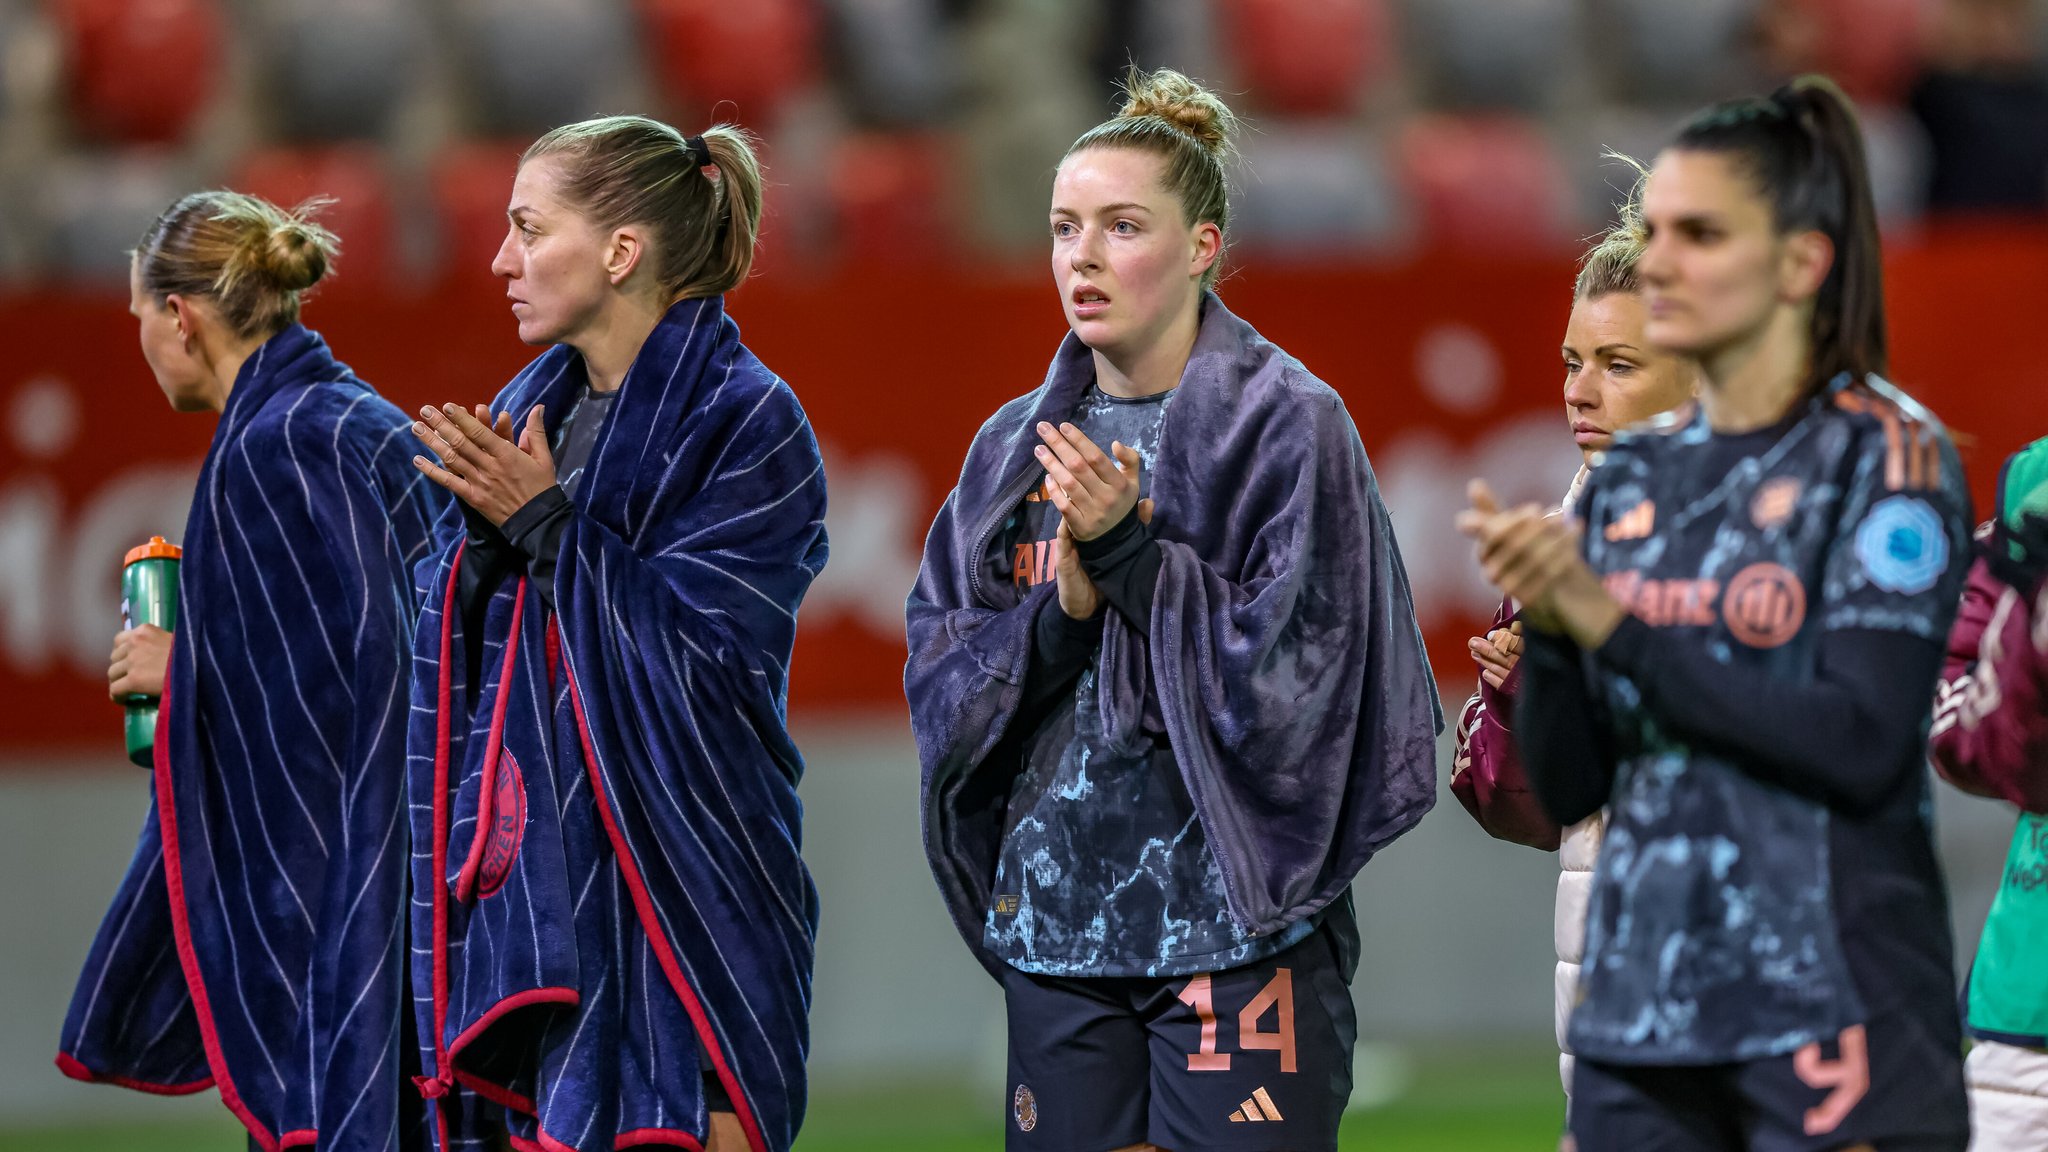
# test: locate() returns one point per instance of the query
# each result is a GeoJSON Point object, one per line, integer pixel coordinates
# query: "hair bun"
{"type": "Point", "coordinates": [1181, 102]}
{"type": "Point", "coordinates": [284, 252]}
{"type": "Point", "coordinates": [294, 255]}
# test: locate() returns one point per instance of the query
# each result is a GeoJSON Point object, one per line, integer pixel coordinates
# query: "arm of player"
{"type": "Point", "coordinates": [1845, 736]}
{"type": "Point", "coordinates": [1061, 642]}
{"type": "Point", "coordinates": [1102, 519]}
{"type": "Point", "coordinates": [1990, 734]}
{"type": "Point", "coordinates": [1487, 774]}
{"type": "Point", "coordinates": [1566, 744]}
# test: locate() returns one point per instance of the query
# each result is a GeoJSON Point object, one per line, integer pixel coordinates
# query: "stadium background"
{"type": "Point", "coordinates": [1417, 182]}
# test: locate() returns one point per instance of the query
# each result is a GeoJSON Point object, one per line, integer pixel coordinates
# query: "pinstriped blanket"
{"type": "Point", "coordinates": [610, 904]}
{"type": "Point", "coordinates": [257, 943]}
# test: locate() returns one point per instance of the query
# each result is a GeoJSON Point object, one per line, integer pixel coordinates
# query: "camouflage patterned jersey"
{"type": "Point", "coordinates": [1104, 870]}
{"type": "Point", "coordinates": [1734, 919]}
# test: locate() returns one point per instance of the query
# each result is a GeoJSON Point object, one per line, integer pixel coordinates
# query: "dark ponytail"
{"type": "Point", "coordinates": [1804, 149]}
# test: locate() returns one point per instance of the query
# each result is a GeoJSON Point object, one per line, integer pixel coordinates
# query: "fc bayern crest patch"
{"type": "Point", "coordinates": [1902, 546]}
{"type": "Point", "coordinates": [508, 825]}
{"type": "Point", "coordinates": [1024, 1106]}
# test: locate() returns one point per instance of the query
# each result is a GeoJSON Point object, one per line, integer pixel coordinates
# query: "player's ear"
{"type": "Point", "coordinates": [1808, 255]}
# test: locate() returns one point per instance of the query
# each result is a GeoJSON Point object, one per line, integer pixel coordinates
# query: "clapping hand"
{"type": "Point", "coordinates": [481, 461]}
{"type": "Point", "coordinates": [1534, 558]}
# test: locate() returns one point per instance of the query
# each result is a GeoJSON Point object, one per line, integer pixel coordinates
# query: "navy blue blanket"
{"type": "Point", "coordinates": [610, 900]}
{"type": "Point", "coordinates": [257, 943]}
{"type": "Point", "coordinates": [1283, 665]}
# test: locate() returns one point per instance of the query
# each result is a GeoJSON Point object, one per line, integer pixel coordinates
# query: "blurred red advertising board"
{"type": "Point", "coordinates": [1450, 368]}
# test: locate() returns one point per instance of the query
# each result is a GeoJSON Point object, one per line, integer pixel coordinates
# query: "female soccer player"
{"type": "Point", "coordinates": [1166, 682]}
{"type": "Point", "coordinates": [1737, 667]}
{"type": "Point", "coordinates": [615, 924]}
{"type": "Point", "coordinates": [1990, 737]}
{"type": "Point", "coordinates": [1613, 379]}
{"type": "Point", "coordinates": [257, 944]}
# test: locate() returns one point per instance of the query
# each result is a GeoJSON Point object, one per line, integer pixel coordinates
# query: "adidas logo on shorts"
{"type": "Point", "coordinates": [1259, 1107]}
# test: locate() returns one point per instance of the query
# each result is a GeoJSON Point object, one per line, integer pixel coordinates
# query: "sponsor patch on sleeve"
{"type": "Point", "coordinates": [1902, 545]}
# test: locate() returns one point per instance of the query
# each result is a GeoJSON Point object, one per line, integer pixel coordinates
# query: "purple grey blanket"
{"type": "Point", "coordinates": [1282, 664]}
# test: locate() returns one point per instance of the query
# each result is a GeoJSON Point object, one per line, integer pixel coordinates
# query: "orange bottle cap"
{"type": "Point", "coordinates": [158, 548]}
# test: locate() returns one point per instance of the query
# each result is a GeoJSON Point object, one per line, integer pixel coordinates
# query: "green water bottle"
{"type": "Point", "coordinates": [149, 595]}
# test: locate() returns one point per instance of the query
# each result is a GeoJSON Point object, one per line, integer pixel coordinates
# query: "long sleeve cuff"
{"type": "Point", "coordinates": [1500, 702]}
{"type": "Point", "coordinates": [1060, 649]}
{"type": "Point", "coordinates": [1061, 640]}
{"type": "Point", "coordinates": [536, 530]}
{"type": "Point", "coordinates": [1124, 563]}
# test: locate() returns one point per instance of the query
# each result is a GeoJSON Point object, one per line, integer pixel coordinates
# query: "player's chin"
{"type": "Point", "coordinates": [1098, 335]}
{"type": "Point", "coordinates": [1680, 334]}
{"type": "Point", "coordinates": [537, 330]}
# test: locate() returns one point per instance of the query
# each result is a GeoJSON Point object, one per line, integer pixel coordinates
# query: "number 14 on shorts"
{"type": "Point", "coordinates": [1276, 997]}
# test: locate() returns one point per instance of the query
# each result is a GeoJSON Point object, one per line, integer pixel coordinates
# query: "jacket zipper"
{"type": "Point", "coordinates": [1008, 496]}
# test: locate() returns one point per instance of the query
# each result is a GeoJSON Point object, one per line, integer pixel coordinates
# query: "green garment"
{"type": "Point", "coordinates": [2008, 992]}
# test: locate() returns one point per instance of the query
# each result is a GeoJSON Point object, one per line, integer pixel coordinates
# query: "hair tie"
{"type": "Point", "coordinates": [699, 150]}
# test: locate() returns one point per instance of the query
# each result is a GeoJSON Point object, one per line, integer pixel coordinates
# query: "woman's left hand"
{"type": "Point", "coordinates": [1091, 491]}
{"type": "Point", "coordinates": [140, 662]}
{"type": "Point", "coordinates": [481, 465]}
{"type": "Point", "coordinates": [1534, 558]}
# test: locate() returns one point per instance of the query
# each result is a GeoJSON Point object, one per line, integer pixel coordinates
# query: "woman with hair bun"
{"type": "Point", "coordinates": [1613, 379]}
{"type": "Point", "coordinates": [614, 924]}
{"type": "Point", "coordinates": [1166, 683]}
{"type": "Point", "coordinates": [1735, 657]}
{"type": "Point", "coordinates": [257, 945]}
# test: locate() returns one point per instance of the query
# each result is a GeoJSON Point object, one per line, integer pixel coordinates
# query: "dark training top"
{"type": "Point", "coordinates": [535, 530]}
{"type": "Point", "coordinates": [1104, 870]}
{"type": "Point", "coordinates": [1757, 729]}
{"type": "Point", "coordinates": [577, 435]}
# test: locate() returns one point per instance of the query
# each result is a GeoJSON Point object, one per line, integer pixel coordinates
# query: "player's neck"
{"type": "Point", "coordinates": [614, 339]}
{"type": "Point", "coordinates": [224, 366]}
{"type": "Point", "coordinates": [1153, 369]}
{"type": "Point", "coordinates": [1752, 383]}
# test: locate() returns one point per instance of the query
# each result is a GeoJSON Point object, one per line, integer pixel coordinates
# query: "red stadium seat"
{"type": "Point", "coordinates": [1307, 57]}
{"type": "Point", "coordinates": [1872, 48]}
{"type": "Point", "coordinates": [1876, 46]}
{"type": "Point", "coordinates": [354, 177]}
{"type": "Point", "coordinates": [472, 187]}
{"type": "Point", "coordinates": [891, 198]}
{"type": "Point", "coordinates": [731, 61]}
{"type": "Point", "coordinates": [139, 71]}
{"type": "Point", "coordinates": [1486, 183]}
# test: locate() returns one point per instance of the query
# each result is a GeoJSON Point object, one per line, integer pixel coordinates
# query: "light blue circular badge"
{"type": "Point", "coordinates": [1902, 545]}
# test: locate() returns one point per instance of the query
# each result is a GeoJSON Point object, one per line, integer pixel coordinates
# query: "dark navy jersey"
{"type": "Point", "coordinates": [1732, 919]}
{"type": "Point", "coordinates": [1104, 870]}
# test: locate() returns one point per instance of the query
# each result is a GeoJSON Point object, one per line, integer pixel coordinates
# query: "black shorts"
{"type": "Point", "coordinates": [1253, 1058]}
{"type": "Point", "coordinates": [1891, 1087]}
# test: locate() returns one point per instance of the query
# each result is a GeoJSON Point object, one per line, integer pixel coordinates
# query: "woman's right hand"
{"type": "Point", "coordinates": [139, 663]}
{"type": "Point", "coordinates": [1496, 653]}
{"type": "Point", "coordinates": [1534, 558]}
{"type": "Point", "coordinates": [1079, 598]}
